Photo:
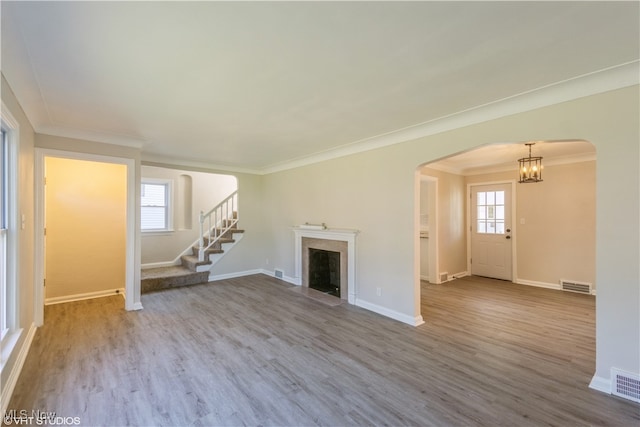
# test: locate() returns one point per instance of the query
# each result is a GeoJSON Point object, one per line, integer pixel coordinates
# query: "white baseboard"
{"type": "Point", "coordinates": [409, 320]}
{"type": "Point", "coordinates": [600, 384]}
{"type": "Point", "coordinates": [80, 297]}
{"type": "Point", "coordinates": [216, 277]}
{"type": "Point", "coordinates": [555, 286]}
{"type": "Point", "coordinates": [287, 279]}
{"type": "Point", "coordinates": [12, 379]}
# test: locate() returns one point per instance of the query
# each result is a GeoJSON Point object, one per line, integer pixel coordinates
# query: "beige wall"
{"type": "Point", "coordinates": [85, 217]}
{"type": "Point", "coordinates": [557, 239]}
{"type": "Point", "coordinates": [206, 191]}
{"type": "Point", "coordinates": [374, 192]}
{"type": "Point", "coordinates": [452, 236]}
{"type": "Point", "coordinates": [25, 257]}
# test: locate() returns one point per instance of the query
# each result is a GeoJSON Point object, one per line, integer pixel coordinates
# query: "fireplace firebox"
{"type": "Point", "coordinates": [324, 271]}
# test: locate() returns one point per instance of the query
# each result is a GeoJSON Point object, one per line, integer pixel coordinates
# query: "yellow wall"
{"type": "Point", "coordinates": [85, 217]}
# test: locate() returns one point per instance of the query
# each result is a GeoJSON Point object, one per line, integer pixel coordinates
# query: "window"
{"type": "Point", "coordinates": [490, 212]}
{"type": "Point", "coordinates": [9, 148]}
{"type": "Point", "coordinates": [155, 210]}
{"type": "Point", "coordinates": [4, 225]}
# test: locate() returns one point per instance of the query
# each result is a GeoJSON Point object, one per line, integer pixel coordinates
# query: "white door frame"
{"type": "Point", "coordinates": [132, 298]}
{"type": "Point", "coordinates": [434, 265]}
{"type": "Point", "coordinates": [514, 234]}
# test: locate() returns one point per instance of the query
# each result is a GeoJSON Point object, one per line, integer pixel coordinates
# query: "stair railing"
{"type": "Point", "coordinates": [216, 222]}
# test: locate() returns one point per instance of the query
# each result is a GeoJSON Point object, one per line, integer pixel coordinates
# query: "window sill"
{"type": "Point", "coordinates": [157, 232]}
{"type": "Point", "coordinates": [8, 343]}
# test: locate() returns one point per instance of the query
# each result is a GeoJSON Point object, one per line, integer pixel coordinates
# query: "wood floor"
{"type": "Point", "coordinates": [247, 351]}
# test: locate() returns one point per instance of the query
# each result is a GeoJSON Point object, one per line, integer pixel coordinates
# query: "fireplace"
{"type": "Point", "coordinates": [341, 273]}
{"type": "Point", "coordinates": [324, 271]}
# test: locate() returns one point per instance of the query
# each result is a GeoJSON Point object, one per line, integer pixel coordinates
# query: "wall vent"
{"type": "Point", "coordinates": [625, 385]}
{"type": "Point", "coordinates": [444, 277]}
{"type": "Point", "coordinates": [278, 273]}
{"type": "Point", "coordinates": [574, 286]}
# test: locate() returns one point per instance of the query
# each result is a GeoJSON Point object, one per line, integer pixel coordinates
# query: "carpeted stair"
{"type": "Point", "coordinates": [191, 271]}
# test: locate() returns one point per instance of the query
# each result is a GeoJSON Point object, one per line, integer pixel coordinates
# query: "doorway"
{"type": "Point", "coordinates": [126, 253]}
{"type": "Point", "coordinates": [85, 229]}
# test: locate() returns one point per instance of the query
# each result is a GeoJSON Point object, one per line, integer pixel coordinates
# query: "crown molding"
{"type": "Point", "coordinates": [151, 159]}
{"type": "Point", "coordinates": [608, 79]}
{"type": "Point", "coordinates": [93, 136]}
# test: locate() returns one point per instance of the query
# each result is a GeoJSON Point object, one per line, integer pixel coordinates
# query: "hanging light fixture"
{"type": "Point", "coordinates": [530, 167]}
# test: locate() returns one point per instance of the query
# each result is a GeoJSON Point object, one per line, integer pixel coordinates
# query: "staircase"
{"type": "Point", "coordinates": [197, 261]}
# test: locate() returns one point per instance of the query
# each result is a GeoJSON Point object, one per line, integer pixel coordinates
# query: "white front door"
{"type": "Point", "coordinates": [491, 231]}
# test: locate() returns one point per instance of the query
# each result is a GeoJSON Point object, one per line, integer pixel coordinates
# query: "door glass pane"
{"type": "Point", "coordinates": [482, 212]}
{"type": "Point", "coordinates": [491, 197]}
{"type": "Point", "coordinates": [490, 212]}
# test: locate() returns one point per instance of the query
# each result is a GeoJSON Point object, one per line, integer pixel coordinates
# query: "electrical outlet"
{"type": "Point", "coordinates": [379, 291]}
{"type": "Point", "coordinates": [266, 261]}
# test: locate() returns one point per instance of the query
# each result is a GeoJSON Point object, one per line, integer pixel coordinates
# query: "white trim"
{"type": "Point", "coordinates": [546, 285]}
{"type": "Point", "coordinates": [15, 223]}
{"type": "Point", "coordinates": [215, 278]}
{"type": "Point", "coordinates": [284, 278]}
{"type": "Point", "coordinates": [344, 235]}
{"type": "Point", "coordinates": [12, 379]}
{"type": "Point", "coordinates": [401, 317]}
{"type": "Point", "coordinates": [600, 384]}
{"type": "Point", "coordinates": [555, 286]}
{"type": "Point", "coordinates": [84, 296]}
{"type": "Point", "coordinates": [169, 206]}
{"type": "Point", "coordinates": [92, 135]}
{"type": "Point", "coordinates": [608, 79]}
{"type": "Point", "coordinates": [132, 289]}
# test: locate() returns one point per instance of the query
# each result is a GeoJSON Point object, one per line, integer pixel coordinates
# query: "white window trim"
{"type": "Point", "coordinates": [169, 184]}
{"type": "Point", "coordinates": [10, 338]}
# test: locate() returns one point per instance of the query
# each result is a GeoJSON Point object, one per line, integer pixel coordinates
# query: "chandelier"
{"type": "Point", "coordinates": [530, 167]}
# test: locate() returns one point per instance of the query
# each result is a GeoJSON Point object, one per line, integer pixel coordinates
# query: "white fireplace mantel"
{"type": "Point", "coordinates": [345, 235]}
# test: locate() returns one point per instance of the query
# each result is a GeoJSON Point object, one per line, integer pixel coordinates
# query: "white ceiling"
{"type": "Point", "coordinates": [254, 85]}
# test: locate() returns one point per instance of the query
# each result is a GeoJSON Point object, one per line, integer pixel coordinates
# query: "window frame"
{"type": "Point", "coordinates": [10, 278]}
{"type": "Point", "coordinates": [168, 208]}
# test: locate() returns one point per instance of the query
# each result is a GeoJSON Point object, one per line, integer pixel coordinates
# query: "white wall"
{"type": "Point", "coordinates": [207, 190]}
{"type": "Point", "coordinates": [374, 193]}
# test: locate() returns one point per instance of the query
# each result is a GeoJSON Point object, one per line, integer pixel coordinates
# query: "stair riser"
{"type": "Point", "coordinates": [156, 284]}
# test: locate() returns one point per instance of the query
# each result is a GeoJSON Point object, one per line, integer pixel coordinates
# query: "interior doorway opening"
{"type": "Point", "coordinates": [80, 213]}
{"type": "Point", "coordinates": [552, 230]}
